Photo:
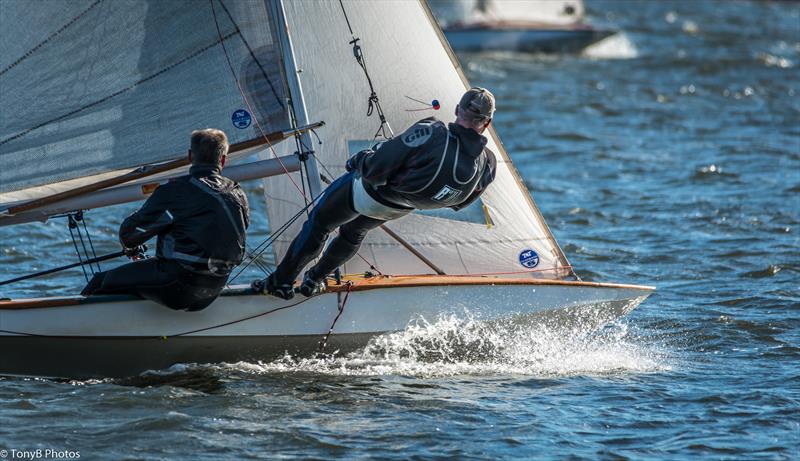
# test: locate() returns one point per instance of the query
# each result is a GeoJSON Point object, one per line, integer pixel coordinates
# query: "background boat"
{"type": "Point", "coordinates": [538, 26]}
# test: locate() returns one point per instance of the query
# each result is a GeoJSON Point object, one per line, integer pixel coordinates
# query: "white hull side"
{"type": "Point", "coordinates": [369, 311]}
{"type": "Point", "coordinates": [124, 338]}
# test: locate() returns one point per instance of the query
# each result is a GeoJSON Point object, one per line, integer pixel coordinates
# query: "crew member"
{"type": "Point", "coordinates": [200, 221]}
{"type": "Point", "coordinates": [431, 165]}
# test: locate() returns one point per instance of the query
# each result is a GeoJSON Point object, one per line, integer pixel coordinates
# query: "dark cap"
{"type": "Point", "coordinates": [479, 102]}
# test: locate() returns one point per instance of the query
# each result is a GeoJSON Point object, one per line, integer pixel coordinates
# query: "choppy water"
{"type": "Point", "coordinates": [678, 165]}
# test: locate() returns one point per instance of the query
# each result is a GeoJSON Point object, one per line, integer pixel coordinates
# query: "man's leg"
{"type": "Point", "coordinates": [344, 246]}
{"type": "Point", "coordinates": [161, 281]}
{"type": "Point", "coordinates": [334, 209]}
{"type": "Point", "coordinates": [127, 278]}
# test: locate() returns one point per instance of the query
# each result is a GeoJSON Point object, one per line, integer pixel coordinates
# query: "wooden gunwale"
{"type": "Point", "coordinates": [358, 284]}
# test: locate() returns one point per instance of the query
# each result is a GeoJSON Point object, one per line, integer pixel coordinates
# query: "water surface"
{"type": "Point", "coordinates": [670, 156]}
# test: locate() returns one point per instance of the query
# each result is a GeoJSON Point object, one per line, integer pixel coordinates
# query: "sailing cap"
{"type": "Point", "coordinates": [479, 102]}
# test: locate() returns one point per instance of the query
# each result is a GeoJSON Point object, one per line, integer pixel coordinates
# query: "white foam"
{"type": "Point", "coordinates": [461, 345]}
{"type": "Point", "coordinates": [617, 46]}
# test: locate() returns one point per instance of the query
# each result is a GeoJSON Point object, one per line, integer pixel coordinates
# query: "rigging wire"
{"type": "Point", "coordinates": [71, 224]}
{"type": "Point", "coordinates": [91, 245]}
{"type": "Point", "coordinates": [263, 246]}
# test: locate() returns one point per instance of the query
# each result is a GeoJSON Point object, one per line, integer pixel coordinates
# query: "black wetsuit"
{"type": "Point", "coordinates": [430, 165]}
{"type": "Point", "coordinates": [200, 221]}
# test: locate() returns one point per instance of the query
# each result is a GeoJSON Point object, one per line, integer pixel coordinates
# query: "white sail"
{"type": "Point", "coordinates": [91, 88]}
{"type": "Point", "coordinates": [545, 12]}
{"type": "Point", "coordinates": [407, 58]}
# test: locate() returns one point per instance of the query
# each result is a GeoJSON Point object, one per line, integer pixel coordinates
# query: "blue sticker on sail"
{"type": "Point", "coordinates": [529, 258]}
{"type": "Point", "coordinates": [241, 119]}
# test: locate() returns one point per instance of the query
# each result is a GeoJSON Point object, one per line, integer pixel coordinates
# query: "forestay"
{"type": "Point", "coordinates": [90, 87]}
{"type": "Point", "coordinates": [407, 58]}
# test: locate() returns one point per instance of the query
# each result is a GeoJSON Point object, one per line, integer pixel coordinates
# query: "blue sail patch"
{"type": "Point", "coordinates": [529, 259]}
{"type": "Point", "coordinates": [241, 119]}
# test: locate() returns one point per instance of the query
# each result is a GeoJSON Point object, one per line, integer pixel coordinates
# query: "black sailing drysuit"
{"type": "Point", "coordinates": [200, 221]}
{"type": "Point", "coordinates": [430, 165]}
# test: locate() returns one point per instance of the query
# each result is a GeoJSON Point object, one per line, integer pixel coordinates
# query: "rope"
{"type": "Point", "coordinates": [373, 103]}
{"type": "Point", "coordinates": [342, 303]}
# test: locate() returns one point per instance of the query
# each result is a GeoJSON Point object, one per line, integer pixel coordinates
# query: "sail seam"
{"type": "Point", "coordinates": [117, 93]}
{"type": "Point", "coordinates": [253, 55]}
{"type": "Point", "coordinates": [49, 37]}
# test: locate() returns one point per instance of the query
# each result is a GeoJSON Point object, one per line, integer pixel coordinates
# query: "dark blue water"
{"type": "Point", "coordinates": [678, 166]}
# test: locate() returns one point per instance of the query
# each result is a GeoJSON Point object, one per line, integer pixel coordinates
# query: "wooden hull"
{"type": "Point", "coordinates": [120, 336]}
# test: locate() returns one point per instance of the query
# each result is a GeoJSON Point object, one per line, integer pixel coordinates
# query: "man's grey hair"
{"type": "Point", "coordinates": [209, 146]}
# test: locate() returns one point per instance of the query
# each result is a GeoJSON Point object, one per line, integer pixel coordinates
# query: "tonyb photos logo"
{"type": "Point", "coordinates": [39, 453]}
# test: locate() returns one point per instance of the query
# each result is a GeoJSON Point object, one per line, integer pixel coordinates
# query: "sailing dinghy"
{"type": "Point", "coordinates": [99, 98]}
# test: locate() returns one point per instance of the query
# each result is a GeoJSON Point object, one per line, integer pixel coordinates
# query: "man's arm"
{"type": "Point", "coordinates": [153, 218]}
{"type": "Point", "coordinates": [378, 164]}
{"type": "Point", "coordinates": [486, 178]}
{"type": "Point", "coordinates": [245, 206]}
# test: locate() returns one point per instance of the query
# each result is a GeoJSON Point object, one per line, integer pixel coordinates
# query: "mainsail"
{"type": "Point", "coordinates": [408, 60]}
{"type": "Point", "coordinates": [89, 88]}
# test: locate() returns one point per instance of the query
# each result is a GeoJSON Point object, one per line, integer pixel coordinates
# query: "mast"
{"type": "Point", "coordinates": [296, 100]}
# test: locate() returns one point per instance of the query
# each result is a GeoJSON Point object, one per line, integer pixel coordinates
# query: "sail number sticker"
{"type": "Point", "coordinates": [241, 119]}
{"type": "Point", "coordinates": [529, 259]}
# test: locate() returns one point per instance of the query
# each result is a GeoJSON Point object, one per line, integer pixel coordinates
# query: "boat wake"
{"type": "Point", "coordinates": [458, 345]}
{"type": "Point", "coordinates": [617, 46]}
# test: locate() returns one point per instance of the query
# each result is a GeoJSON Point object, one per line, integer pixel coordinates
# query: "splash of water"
{"type": "Point", "coordinates": [617, 46]}
{"type": "Point", "coordinates": [462, 345]}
